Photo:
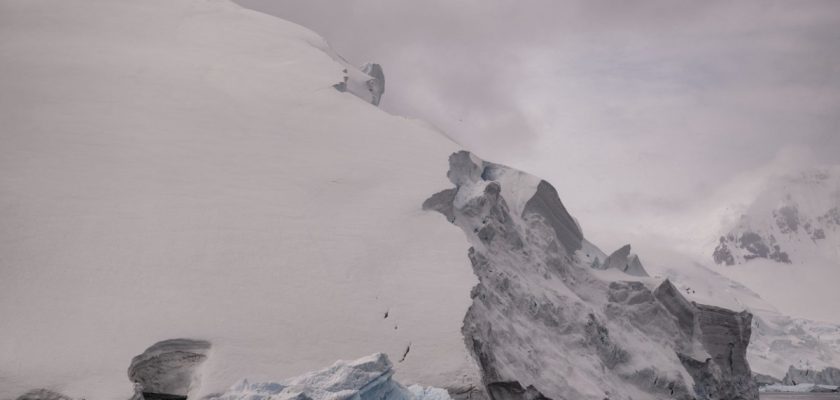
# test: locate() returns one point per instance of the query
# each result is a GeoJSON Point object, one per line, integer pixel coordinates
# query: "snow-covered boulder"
{"type": "Point", "coordinates": [367, 378]}
{"type": "Point", "coordinates": [543, 324]}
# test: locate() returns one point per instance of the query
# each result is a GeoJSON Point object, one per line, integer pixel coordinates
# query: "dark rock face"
{"type": "Point", "coordinates": [827, 376]}
{"type": "Point", "coordinates": [538, 307]}
{"type": "Point", "coordinates": [168, 368]}
{"type": "Point", "coordinates": [546, 203]}
{"type": "Point", "coordinates": [43, 394]}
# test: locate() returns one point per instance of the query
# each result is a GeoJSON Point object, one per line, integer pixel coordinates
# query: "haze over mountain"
{"type": "Point", "coordinates": [637, 112]}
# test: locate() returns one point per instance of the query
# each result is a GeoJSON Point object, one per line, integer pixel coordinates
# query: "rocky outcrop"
{"type": "Point", "coordinates": [538, 306]}
{"type": "Point", "coordinates": [724, 335]}
{"type": "Point", "coordinates": [168, 369]}
{"type": "Point", "coordinates": [624, 261]}
{"type": "Point", "coordinates": [826, 376]}
{"type": "Point", "coordinates": [366, 83]}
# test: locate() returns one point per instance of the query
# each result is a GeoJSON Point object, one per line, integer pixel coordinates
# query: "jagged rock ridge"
{"type": "Point", "coordinates": [623, 261]}
{"type": "Point", "coordinates": [543, 324]}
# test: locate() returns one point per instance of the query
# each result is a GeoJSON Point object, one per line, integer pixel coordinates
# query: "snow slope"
{"type": "Point", "coordinates": [185, 168]}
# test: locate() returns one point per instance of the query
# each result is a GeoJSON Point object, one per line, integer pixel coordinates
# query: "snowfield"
{"type": "Point", "coordinates": [185, 168]}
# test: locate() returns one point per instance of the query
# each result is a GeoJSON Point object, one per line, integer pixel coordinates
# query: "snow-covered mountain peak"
{"type": "Point", "coordinates": [794, 219]}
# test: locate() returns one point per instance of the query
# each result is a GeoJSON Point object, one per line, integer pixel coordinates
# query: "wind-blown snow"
{"type": "Point", "coordinates": [184, 168]}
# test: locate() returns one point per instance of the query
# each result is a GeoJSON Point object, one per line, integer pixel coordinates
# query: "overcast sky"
{"type": "Point", "coordinates": [640, 113]}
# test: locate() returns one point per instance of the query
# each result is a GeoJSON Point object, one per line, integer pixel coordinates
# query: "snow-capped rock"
{"type": "Point", "coordinates": [544, 325]}
{"type": "Point", "coordinates": [366, 83]}
{"type": "Point", "coordinates": [367, 378]}
{"type": "Point", "coordinates": [792, 220]}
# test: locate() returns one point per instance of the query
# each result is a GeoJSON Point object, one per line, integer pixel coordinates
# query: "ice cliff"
{"type": "Point", "coordinates": [544, 324]}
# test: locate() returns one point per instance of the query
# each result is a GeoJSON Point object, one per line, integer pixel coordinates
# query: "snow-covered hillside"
{"type": "Point", "coordinates": [784, 243]}
{"type": "Point", "coordinates": [185, 168]}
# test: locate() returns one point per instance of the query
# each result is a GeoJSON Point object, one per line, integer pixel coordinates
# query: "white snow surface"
{"type": "Point", "coordinates": [184, 168]}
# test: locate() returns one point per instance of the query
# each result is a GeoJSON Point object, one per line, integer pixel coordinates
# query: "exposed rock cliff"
{"type": "Point", "coordinates": [543, 324]}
